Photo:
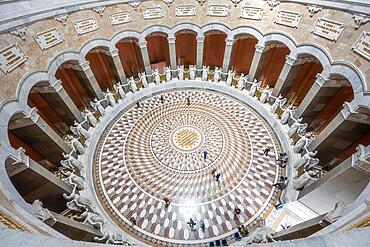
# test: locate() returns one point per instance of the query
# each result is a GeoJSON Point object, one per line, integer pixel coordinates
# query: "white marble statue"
{"type": "Point", "coordinates": [168, 74]}
{"type": "Point", "coordinates": [305, 179]}
{"type": "Point", "coordinates": [143, 79]}
{"type": "Point", "coordinates": [109, 97]}
{"type": "Point", "coordinates": [285, 117]}
{"type": "Point", "coordinates": [132, 83]}
{"type": "Point", "coordinates": [89, 117]}
{"type": "Point", "coordinates": [75, 144]}
{"type": "Point", "coordinates": [334, 214]}
{"type": "Point", "coordinates": [41, 212]}
{"type": "Point", "coordinates": [90, 218]}
{"type": "Point", "coordinates": [262, 234]}
{"type": "Point", "coordinates": [241, 82]}
{"type": "Point", "coordinates": [297, 127]}
{"type": "Point", "coordinates": [192, 72]}
{"type": "Point", "coordinates": [180, 72]}
{"type": "Point", "coordinates": [216, 75]}
{"type": "Point", "coordinates": [118, 87]}
{"type": "Point", "coordinates": [266, 93]}
{"type": "Point", "coordinates": [307, 160]}
{"type": "Point", "coordinates": [279, 102]}
{"type": "Point", "coordinates": [205, 71]}
{"type": "Point", "coordinates": [113, 238]}
{"type": "Point", "coordinates": [76, 202]}
{"type": "Point", "coordinates": [230, 77]}
{"type": "Point", "coordinates": [71, 163]}
{"type": "Point", "coordinates": [97, 106]}
{"type": "Point", "coordinates": [73, 179]}
{"type": "Point", "coordinates": [302, 143]}
{"type": "Point", "coordinates": [157, 76]}
{"type": "Point", "coordinates": [254, 87]}
{"type": "Point", "coordinates": [79, 130]}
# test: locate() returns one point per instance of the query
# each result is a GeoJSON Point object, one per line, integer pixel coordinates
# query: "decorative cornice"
{"type": "Point", "coordinates": [168, 2]}
{"type": "Point", "coordinates": [236, 2]}
{"type": "Point", "coordinates": [61, 18]}
{"type": "Point", "coordinates": [99, 10]}
{"type": "Point", "coordinates": [273, 3]}
{"type": "Point", "coordinates": [360, 19]}
{"type": "Point", "coordinates": [313, 9]}
{"type": "Point", "coordinates": [21, 32]}
{"type": "Point", "coordinates": [134, 4]}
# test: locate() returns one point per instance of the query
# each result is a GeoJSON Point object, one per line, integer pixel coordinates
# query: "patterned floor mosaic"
{"type": "Point", "coordinates": [156, 150]}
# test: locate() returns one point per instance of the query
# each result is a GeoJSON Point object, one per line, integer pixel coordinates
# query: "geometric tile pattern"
{"type": "Point", "coordinates": [136, 167]}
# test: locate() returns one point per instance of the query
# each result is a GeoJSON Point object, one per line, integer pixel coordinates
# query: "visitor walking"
{"type": "Point", "coordinates": [266, 151]}
{"type": "Point", "coordinates": [138, 104]}
{"type": "Point", "coordinates": [237, 211]}
{"type": "Point", "coordinates": [205, 154]}
{"type": "Point", "coordinates": [162, 99]}
{"type": "Point", "coordinates": [203, 227]}
{"type": "Point", "coordinates": [133, 220]}
{"type": "Point", "coordinates": [217, 176]}
{"type": "Point", "coordinates": [192, 224]}
{"type": "Point", "coordinates": [167, 201]}
{"type": "Point", "coordinates": [188, 101]}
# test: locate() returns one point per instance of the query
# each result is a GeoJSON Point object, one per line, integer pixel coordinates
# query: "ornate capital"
{"type": "Point", "coordinates": [200, 39]}
{"type": "Point", "coordinates": [21, 32]}
{"type": "Point", "coordinates": [229, 41]}
{"type": "Point", "coordinates": [273, 3]}
{"type": "Point", "coordinates": [57, 85]}
{"type": "Point", "coordinates": [347, 110]}
{"type": "Point", "coordinates": [360, 159]}
{"type": "Point", "coordinates": [99, 10]}
{"type": "Point", "coordinates": [313, 9]}
{"type": "Point", "coordinates": [360, 19]}
{"type": "Point", "coordinates": [142, 44]}
{"type": "Point", "coordinates": [320, 80]}
{"type": "Point", "coordinates": [21, 163]}
{"type": "Point", "coordinates": [290, 60]}
{"type": "Point", "coordinates": [113, 52]}
{"type": "Point", "coordinates": [171, 40]}
{"type": "Point", "coordinates": [33, 115]}
{"type": "Point", "coordinates": [259, 48]}
{"type": "Point", "coordinates": [85, 65]}
{"type": "Point", "coordinates": [61, 18]}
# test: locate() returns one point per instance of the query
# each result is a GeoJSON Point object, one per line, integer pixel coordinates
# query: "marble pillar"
{"type": "Point", "coordinates": [256, 60]}
{"type": "Point", "coordinates": [118, 65]}
{"type": "Point", "coordinates": [64, 96]}
{"type": "Point", "coordinates": [227, 55]}
{"type": "Point", "coordinates": [36, 119]}
{"type": "Point", "coordinates": [289, 62]}
{"type": "Point", "coordinates": [172, 49]}
{"type": "Point", "coordinates": [145, 57]}
{"type": "Point", "coordinates": [92, 80]}
{"type": "Point", "coordinates": [200, 45]}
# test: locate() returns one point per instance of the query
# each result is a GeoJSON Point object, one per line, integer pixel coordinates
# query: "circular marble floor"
{"type": "Point", "coordinates": [156, 150]}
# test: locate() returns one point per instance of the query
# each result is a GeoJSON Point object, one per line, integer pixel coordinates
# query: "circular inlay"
{"type": "Point", "coordinates": [157, 150]}
{"type": "Point", "coordinates": [187, 138]}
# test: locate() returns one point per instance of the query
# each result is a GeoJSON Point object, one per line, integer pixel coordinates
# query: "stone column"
{"type": "Point", "coordinates": [200, 45]}
{"type": "Point", "coordinates": [145, 56]}
{"type": "Point", "coordinates": [315, 88]}
{"type": "Point", "coordinates": [57, 86]}
{"type": "Point", "coordinates": [91, 78]}
{"type": "Point", "coordinates": [118, 65]}
{"type": "Point", "coordinates": [35, 117]}
{"type": "Point", "coordinates": [289, 62]}
{"type": "Point", "coordinates": [227, 55]}
{"type": "Point", "coordinates": [256, 60]}
{"type": "Point", "coordinates": [172, 48]}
